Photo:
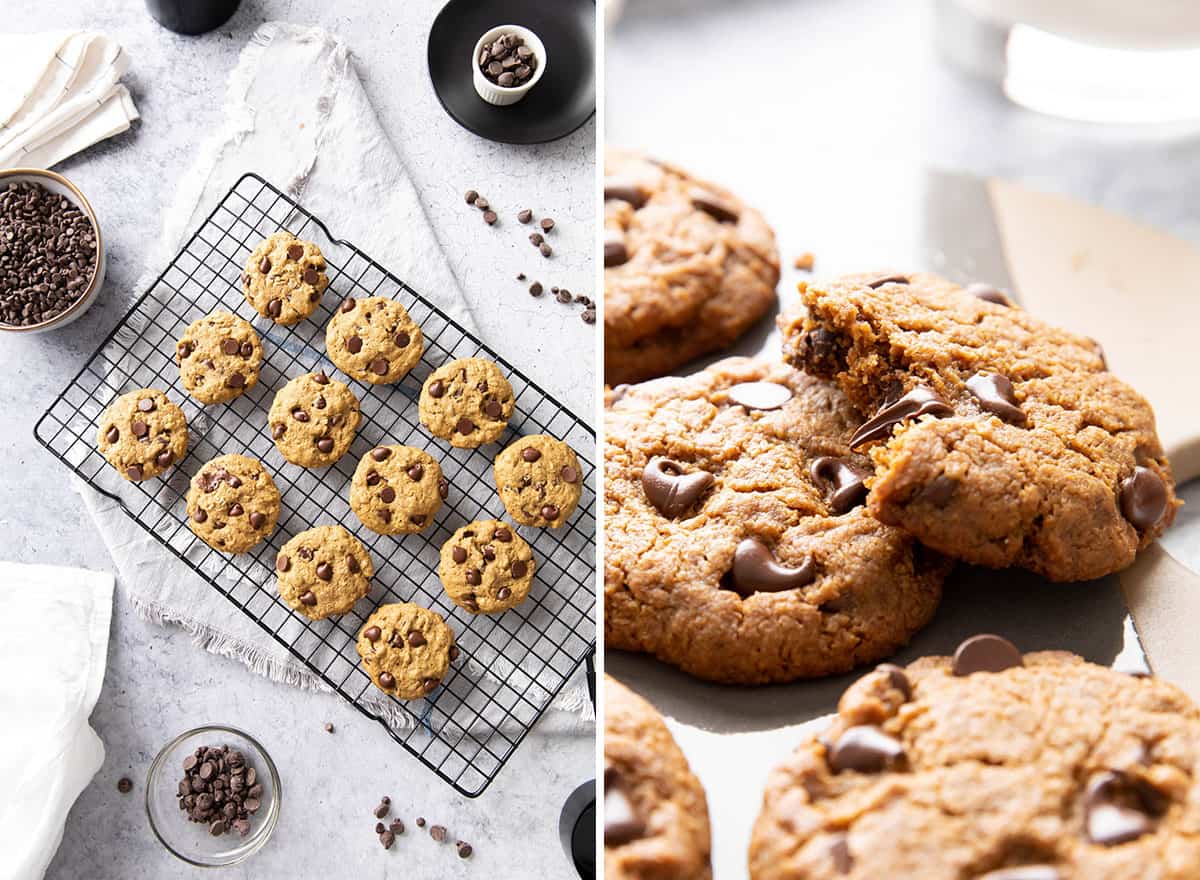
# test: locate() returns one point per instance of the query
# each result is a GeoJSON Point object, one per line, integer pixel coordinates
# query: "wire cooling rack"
{"type": "Point", "coordinates": [512, 664]}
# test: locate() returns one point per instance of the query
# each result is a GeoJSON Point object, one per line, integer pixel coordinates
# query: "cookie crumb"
{"type": "Point", "coordinates": [805, 261]}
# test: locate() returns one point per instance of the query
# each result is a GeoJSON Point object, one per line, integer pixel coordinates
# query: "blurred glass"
{"type": "Point", "coordinates": [1093, 60]}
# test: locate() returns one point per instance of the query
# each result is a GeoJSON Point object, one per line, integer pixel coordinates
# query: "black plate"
{"type": "Point", "coordinates": [564, 99]}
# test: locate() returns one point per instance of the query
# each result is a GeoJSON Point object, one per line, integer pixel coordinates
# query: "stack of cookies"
{"type": "Point", "coordinates": [233, 503]}
{"type": "Point", "coordinates": [771, 520]}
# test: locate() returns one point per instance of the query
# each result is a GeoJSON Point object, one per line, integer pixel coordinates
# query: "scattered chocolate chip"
{"type": "Point", "coordinates": [386, 839]}
{"type": "Point", "coordinates": [545, 249]}
{"type": "Point", "coordinates": [986, 653]}
{"type": "Point", "coordinates": [489, 217]}
{"type": "Point", "coordinates": [380, 828]}
{"type": "Point", "coordinates": [482, 204]}
{"type": "Point", "coordinates": [588, 316]}
{"type": "Point", "coordinates": [536, 238]}
{"type": "Point", "coordinates": [420, 821]}
{"type": "Point", "coordinates": [464, 850]}
{"type": "Point", "coordinates": [396, 827]}
{"type": "Point", "coordinates": [329, 727]}
{"type": "Point", "coordinates": [843, 479]}
{"type": "Point", "coordinates": [471, 196]}
{"type": "Point", "coordinates": [759, 395]}
{"type": "Point", "coordinates": [547, 224]}
{"type": "Point", "coordinates": [382, 810]}
{"type": "Point", "coordinates": [563, 296]}
{"type": "Point", "coordinates": [995, 394]}
{"type": "Point", "coordinates": [918, 402]}
{"type": "Point", "coordinates": [670, 489]}
{"type": "Point", "coordinates": [756, 570]}
{"type": "Point", "coordinates": [535, 289]}
{"type": "Point", "coordinates": [524, 215]}
{"type": "Point", "coordinates": [125, 785]}
{"type": "Point", "coordinates": [438, 833]}
{"type": "Point", "coordinates": [1143, 498]}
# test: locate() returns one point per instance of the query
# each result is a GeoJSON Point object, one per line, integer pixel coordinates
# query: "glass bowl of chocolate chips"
{"type": "Point", "coordinates": [213, 796]}
{"type": "Point", "coordinates": [509, 60]}
{"type": "Point", "coordinates": [51, 254]}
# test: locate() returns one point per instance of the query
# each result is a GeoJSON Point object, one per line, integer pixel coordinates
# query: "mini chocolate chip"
{"type": "Point", "coordinates": [720, 209]}
{"type": "Point", "coordinates": [380, 828]}
{"type": "Point", "coordinates": [471, 196]}
{"type": "Point", "coordinates": [530, 454]}
{"type": "Point", "coordinates": [759, 395]}
{"type": "Point", "coordinates": [670, 489]}
{"type": "Point", "coordinates": [490, 217]}
{"type": "Point", "coordinates": [464, 850]}
{"type": "Point", "coordinates": [864, 748]}
{"type": "Point", "coordinates": [436, 388]}
{"type": "Point", "coordinates": [125, 785]}
{"type": "Point", "coordinates": [379, 453]}
{"type": "Point", "coordinates": [547, 224]}
{"type": "Point", "coordinates": [416, 639]}
{"type": "Point", "coordinates": [756, 570]}
{"type": "Point", "coordinates": [843, 479]}
{"type": "Point", "coordinates": [524, 215]}
{"type": "Point", "coordinates": [282, 563]}
{"type": "Point", "coordinates": [986, 653]}
{"type": "Point", "coordinates": [918, 402]}
{"type": "Point", "coordinates": [309, 598]}
{"type": "Point", "coordinates": [354, 345]}
{"type": "Point", "coordinates": [1143, 498]}
{"type": "Point", "coordinates": [995, 395]}
{"type": "Point", "coordinates": [372, 633]}
{"type": "Point", "coordinates": [536, 238]}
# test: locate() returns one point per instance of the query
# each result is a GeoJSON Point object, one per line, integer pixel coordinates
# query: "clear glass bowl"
{"type": "Point", "coordinates": [191, 841]}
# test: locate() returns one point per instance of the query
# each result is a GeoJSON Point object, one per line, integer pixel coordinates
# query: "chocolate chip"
{"type": "Point", "coordinates": [257, 520]}
{"type": "Point", "coordinates": [438, 833]}
{"type": "Point", "coordinates": [986, 653]}
{"type": "Point", "coordinates": [670, 489]}
{"type": "Point", "coordinates": [464, 426]}
{"type": "Point", "coordinates": [372, 633]}
{"type": "Point", "coordinates": [503, 535]}
{"type": "Point", "coordinates": [550, 512]}
{"type": "Point", "coordinates": [569, 474]}
{"type": "Point", "coordinates": [443, 488]}
{"type": "Point", "coordinates": [308, 598]}
{"type": "Point", "coordinates": [382, 810]}
{"type": "Point", "coordinates": [348, 304]}
{"type": "Point", "coordinates": [490, 217]}
{"type": "Point", "coordinates": [354, 345]}
{"type": "Point", "coordinates": [535, 289]}
{"type": "Point", "coordinates": [278, 431]}
{"type": "Point", "coordinates": [246, 349]}
{"type": "Point", "coordinates": [388, 495]}
{"type": "Point", "coordinates": [759, 395]}
{"type": "Point", "coordinates": [453, 653]}
{"type": "Point", "coordinates": [164, 459]}
{"type": "Point", "coordinates": [536, 238]}
{"type": "Point", "coordinates": [756, 570]}
{"type": "Point", "coordinates": [282, 563]}
{"type": "Point", "coordinates": [545, 249]}
{"type": "Point", "coordinates": [918, 402]}
{"type": "Point", "coordinates": [473, 577]}
{"type": "Point", "coordinates": [864, 748]}
{"type": "Point", "coordinates": [987, 293]}
{"type": "Point", "coordinates": [236, 509]}
{"type": "Point", "coordinates": [492, 409]}
{"type": "Point", "coordinates": [380, 828]}
{"type": "Point", "coordinates": [230, 346]}
{"type": "Point", "coordinates": [530, 454]}
{"type": "Point", "coordinates": [134, 471]}
{"type": "Point", "coordinates": [464, 850]}
{"type": "Point", "coordinates": [113, 435]}
{"type": "Point", "coordinates": [420, 821]}
{"type": "Point", "coordinates": [839, 854]}
{"type": "Point", "coordinates": [1143, 498]}
{"type": "Point", "coordinates": [274, 308]}
{"type": "Point", "coordinates": [897, 678]}
{"type": "Point", "coordinates": [264, 265]}
{"type": "Point", "coordinates": [720, 209]}
{"type": "Point", "coordinates": [295, 251]}
{"type": "Point", "coordinates": [387, 680]}
{"type": "Point", "coordinates": [396, 827]}
{"type": "Point", "coordinates": [199, 516]}
{"type": "Point", "coordinates": [459, 555]}
{"type": "Point", "coordinates": [938, 491]}
{"type": "Point", "coordinates": [311, 276]}
{"type": "Point", "coordinates": [124, 785]}
{"type": "Point", "coordinates": [325, 571]}
{"type": "Point", "coordinates": [489, 553]}
{"type": "Point", "coordinates": [524, 215]}
{"type": "Point", "coordinates": [429, 684]}
{"type": "Point", "coordinates": [471, 196]}
{"type": "Point", "coordinates": [237, 380]}
{"type": "Point", "coordinates": [843, 479]}
{"type": "Point", "coordinates": [622, 824]}
{"type": "Point", "coordinates": [995, 394]}
{"type": "Point", "coordinates": [402, 339]}
{"type": "Point", "coordinates": [547, 224]}
{"type": "Point", "coordinates": [563, 296]}
{"type": "Point", "coordinates": [887, 279]}
{"type": "Point", "coordinates": [139, 428]}
{"type": "Point", "coordinates": [519, 570]}
{"type": "Point", "coordinates": [436, 388]}
{"type": "Point", "coordinates": [299, 415]}
{"type": "Point", "coordinates": [325, 445]}
{"type": "Point", "coordinates": [615, 251]}
{"type": "Point", "coordinates": [379, 453]}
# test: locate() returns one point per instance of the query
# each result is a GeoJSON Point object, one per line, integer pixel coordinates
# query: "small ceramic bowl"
{"type": "Point", "coordinates": [499, 95]}
{"type": "Point", "coordinates": [56, 183]}
{"type": "Point", "coordinates": [191, 841]}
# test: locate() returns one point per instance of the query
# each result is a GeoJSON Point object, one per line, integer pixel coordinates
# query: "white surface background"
{"type": "Point", "coordinates": [822, 113]}
{"type": "Point", "coordinates": [158, 684]}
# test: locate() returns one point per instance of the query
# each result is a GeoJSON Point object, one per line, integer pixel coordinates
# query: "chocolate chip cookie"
{"type": "Point", "coordinates": [323, 571]}
{"type": "Point", "coordinates": [539, 480]}
{"type": "Point", "coordinates": [688, 268]}
{"type": "Point", "coordinates": [284, 278]}
{"type": "Point", "coordinates": [397, 489]}
{"type": "Point", "coordinates": [486, 567]}
{"type": "Point", "coordinates": [313, 420]}
{"type": "Point", "coordinates": [467, 401]}
{"type": "Point", "coordinates": [142, 434]}
{"type": "Point", "coordinates": [990, 766]}
{"type": "Point", "coordinates": [232, 503]}
{"type": "Point", "coordinates": [996, 438]}
{"type": "Point", "coordinates": [655, 812]}
{"type": "Point", "coordinates": [374, 340]}
{"type": "Point", "coordinates": [406, 649]}
{"type": "Point", "coordinates": [737, 546]}
{"type": "Point", "coordinates": [219, 356]}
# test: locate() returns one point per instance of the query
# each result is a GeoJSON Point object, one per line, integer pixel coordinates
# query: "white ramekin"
{"type": "Point", "coordinates": [499, 95]}
{"type": "Point", "coordinates": [59, 185]}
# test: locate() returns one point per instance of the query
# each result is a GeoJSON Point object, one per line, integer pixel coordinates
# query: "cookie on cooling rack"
{"type": "Point", "coordinates": [232, 503]}
{"type": "Point", "coordinates": [467, 401]}
{"type": "Point", "coordinates": [323, 571]}
{"type": "Point", "coordinates": [313, 420]}
{"type": "Point", "coordinates": [406, 649]}
{"type": "Point", "coordinates": [219, 357]}
{"type": "Point", "coordinates": [486, 567]}
{"type": "Point", "coordinates": [284, 278]}
{"type": "Point", "coordinates": [142, 434]}
{"type": "Point", "coordinates": [539, 480]}
{"type": "Point", "coordinates": [374, 340]}
{"type": "Point", "coordinates": [397, 489]}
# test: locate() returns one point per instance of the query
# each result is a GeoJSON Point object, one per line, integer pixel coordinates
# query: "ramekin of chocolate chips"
{"type": "Point", "coordinates": [51, 256]}
{"type": "Point", "coordinates": [213, 796]}
{"type": "Point", "coordinates": [509, 60]}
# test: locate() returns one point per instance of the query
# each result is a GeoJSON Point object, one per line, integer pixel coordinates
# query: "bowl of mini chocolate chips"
{"type": "Point", "coordinates": [213, 796]}
{"type": "Point", "coordinates": [509, 60]}
{"type": "Point", "coordinates": [51, 254]}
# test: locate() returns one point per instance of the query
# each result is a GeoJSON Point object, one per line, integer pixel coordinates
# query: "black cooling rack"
{"type": "Point", "coordinates": [513, 664]}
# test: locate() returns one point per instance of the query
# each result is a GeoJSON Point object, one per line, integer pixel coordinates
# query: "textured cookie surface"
{"type": "Point", "coordinates": [997, 439]}
{"type": "Point", "coordinates": [486, 567]}
{"type": "Point", "coordinates": [539, 480]}
{"type": "Point", "coordinates": [1054, 769]}
{"type": "Point", "coordinates": [219, 356]}
{"type": "Point", "coordinates": [688, 267]}
{"type": "Point", "coordinates": [736, 543]}
{"type": "Point", "coordinates": [284, 278]}
{"type": "Point", "coordinates": [656, 815]}
{"type": "Point", "coordinates": [232, 503]}
{"type": "Point", "coordinates": [374, 340]}
{"type": "Point", "coordinates": [323, 571]}
{"type": "Point", "coordinates": [467, 401]}
{"type": "Point", "coordinates": [313, 420]}
{"type": "Point", "coordinates": [397, 489]}
{"type": "Point", "coordinates": [142, 433]}
{"type": "Point", "coordinates": [406, 649]}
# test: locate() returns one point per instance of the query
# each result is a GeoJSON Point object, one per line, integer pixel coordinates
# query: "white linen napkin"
{"type": "Point", "coordinates": [337, 161]}
{"type": "Point", "coordinates": [53, 650]}
{"type": "Point", "coordinates": [60, 93]}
